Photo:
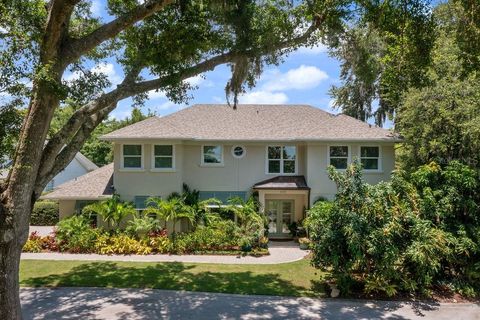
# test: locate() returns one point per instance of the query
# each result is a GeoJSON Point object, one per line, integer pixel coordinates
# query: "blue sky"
{"type": "Point", "coordinates": [304, 78]}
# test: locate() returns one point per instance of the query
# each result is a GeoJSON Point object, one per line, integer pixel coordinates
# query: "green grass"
{"type": "Point", "coordinates": [289, 279]}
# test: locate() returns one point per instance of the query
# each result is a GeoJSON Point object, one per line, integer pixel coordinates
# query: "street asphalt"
{"type": "Point", "coordinates": [109, 303]}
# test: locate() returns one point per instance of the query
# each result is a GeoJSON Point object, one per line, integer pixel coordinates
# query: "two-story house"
{"type": "Point", "coordinates": [280, 151]}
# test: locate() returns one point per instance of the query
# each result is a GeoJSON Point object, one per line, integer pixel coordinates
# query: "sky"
{"type": "Point", "coordinates": [304, 77]}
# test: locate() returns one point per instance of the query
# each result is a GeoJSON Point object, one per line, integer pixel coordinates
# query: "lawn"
{"type": "Point", "coordinates": [289, 279]}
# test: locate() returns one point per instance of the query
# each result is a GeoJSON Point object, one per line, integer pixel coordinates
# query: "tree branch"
{"type": "Point", "coordinates": [79, 47]}
{"type": "Point", "coordinates": [61, 148]}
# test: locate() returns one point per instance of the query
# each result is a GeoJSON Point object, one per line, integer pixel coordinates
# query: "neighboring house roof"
{"type": "Point", "coordinates": [94, 185]}
{"type": "Point", "coordinates": [210, 122]}
{"type": "Point", "coordinates": [283, 182]}
{"type": "Point", "coordinates": [84, 162]}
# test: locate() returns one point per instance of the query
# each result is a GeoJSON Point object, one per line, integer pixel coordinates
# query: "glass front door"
{"type": "Point", "coordinates": [280, 215]}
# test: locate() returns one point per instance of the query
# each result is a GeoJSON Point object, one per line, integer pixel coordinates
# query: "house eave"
{"type": "Point", "coordinates": [296, 140]}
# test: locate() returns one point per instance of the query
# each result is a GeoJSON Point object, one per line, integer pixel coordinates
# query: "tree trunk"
{"type": "Point", "coordinates": [11, 244]}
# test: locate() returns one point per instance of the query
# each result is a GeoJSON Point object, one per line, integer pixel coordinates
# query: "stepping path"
{"type": "Point", "coordinates": [280, 252]}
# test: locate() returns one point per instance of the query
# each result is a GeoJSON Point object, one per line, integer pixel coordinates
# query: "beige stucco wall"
{"type": "Point", "coordinates": [235, 174]}
{"type": "Point", "coordinates": [66, 208]}
{"type": "Point", "coordinates": [317, 162]}
{"type": "Point", "coordinates": [147, 182]}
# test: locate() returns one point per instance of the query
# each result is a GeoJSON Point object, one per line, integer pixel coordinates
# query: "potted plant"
{"type": "Point", "coordinates": [304, 243]}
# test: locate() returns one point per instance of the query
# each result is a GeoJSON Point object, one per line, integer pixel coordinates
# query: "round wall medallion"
{"type": "Point", "coordinates": [238, 151]}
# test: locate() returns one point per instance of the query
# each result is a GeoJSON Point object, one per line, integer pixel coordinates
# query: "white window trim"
{"type": "Point", "coordinates": [281, 160]}
{"type": "Point", "coordinates": [380, 161]}
{"type": "Point", "coordinates": [349, 157]}
{"type": "Point", "coordinates": [244, 151]}
{"type": "Point", "coordinates": [153, 169]}
{"type": "Point", "coordinates": [142, 158]}
{"type": "Point", "coordinates": [205, 164]}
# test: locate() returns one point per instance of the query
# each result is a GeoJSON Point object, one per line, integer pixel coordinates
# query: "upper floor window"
{"type": "Point", "coordinates": [163, 157]}
{"type": "Point", "coordinates": [132, 156]}
{"type": "Point", "coordinates": [212, 155]}
{"type": "Point", "coordinates": [338, 156]}
{"type": "Point", "coordinates": [281, 159]}
{"type": "Point", "coordinates": [370, 158]}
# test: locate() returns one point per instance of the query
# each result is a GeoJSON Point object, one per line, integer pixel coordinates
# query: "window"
{"type": "Point", "coordinates": [212, 155]}
{"type": "Point", "coordinates": [370, 158]}
{"type": "Point", "coordinates": [238, 151]}
{"type": "Point", "coordinates": [163, 157]}
{"type": "Point", "coordinates": [132, 156]}
{"type": "Point", "coordinates": [338, 156]}
{"type": "Point", "coordinates": [281, 159]}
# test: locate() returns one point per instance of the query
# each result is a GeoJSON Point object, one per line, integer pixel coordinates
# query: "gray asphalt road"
{"type": "Point", "coordinates": [102, 303]}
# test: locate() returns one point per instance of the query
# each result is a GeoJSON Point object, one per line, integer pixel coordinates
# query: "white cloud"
{"type": "Point", "coordinates": [315, 50]}
{"type": "Point", "coordinates": [152, 94]}
{"type": "Point", "coordinates": [199, 80]}
{"type": "Point", "coordinates": [301, 78]}
{"type": "Point", "coordinates": [265, 97]}
{"type": "Point", "coordinates": [96, 8]}
{"type": "Point", "coordinates": [106, 68]}
{"type": "Point", "coordinates": [195, 81]}
{"type": "Point", "coordinates": [109, 70]}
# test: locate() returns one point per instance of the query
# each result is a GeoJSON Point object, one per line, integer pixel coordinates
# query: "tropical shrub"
{"type": "Point", "coordinates": [74, 234]}
{"type": "Point", "coordinates": [34, 243]}
{"type": "Point", "coordinates": [250, 221]}
{"type": "Point", "coordinates": [171, 209]}
{"type": "Point", "coordinates": [141, 225]}
{"type": "Point", "coordinates": [44, 213]}
{"type": "Point", "coordinates": [221, 236]}
{"type": "Point", "coordinates": [112, 211]}
{"type": "Point", "coordinates": [407, 235]}
{"type": "Point", "coordinates": [121, 244]}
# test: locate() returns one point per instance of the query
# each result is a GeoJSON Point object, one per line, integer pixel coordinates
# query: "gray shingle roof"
{"type": "Point", "coordinates": [283, 182]}
{"type": "Point", "coordinates": [253, 123]}
{"type": "Point", "coordinates": [96, 184]}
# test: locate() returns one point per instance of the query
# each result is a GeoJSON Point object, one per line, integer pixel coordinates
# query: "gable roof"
{"type": "Point", "coordinates": [252, 122]}
{"type": "Point", "coordinates": [94, 185]}
{"type": "Point", "coordinates": [84, 162]}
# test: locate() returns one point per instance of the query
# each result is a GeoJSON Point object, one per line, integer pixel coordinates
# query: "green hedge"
{"type": "Point", "coordinates": [44, 213]}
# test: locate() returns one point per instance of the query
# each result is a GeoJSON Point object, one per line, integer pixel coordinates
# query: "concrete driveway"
{"type": "Point", "coordinates": [103, 303]}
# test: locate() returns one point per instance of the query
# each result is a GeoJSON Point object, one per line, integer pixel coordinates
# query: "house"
{"type": "Point", "coordinates": [79, 166]}
{"type": "Point", "coordinates": [279, 151]}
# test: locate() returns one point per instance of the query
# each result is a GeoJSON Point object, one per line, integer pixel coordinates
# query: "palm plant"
{"type": "Point", "coordinates": [112, 211]}
{"type": "Point", "coordinates": [141, 225]}
{"type": "Point", "coordinates": [246, 213]}
{"type": "Point", "coordinates": [204, 213]}
{"type": "Point", "coordinates": [170, 210]}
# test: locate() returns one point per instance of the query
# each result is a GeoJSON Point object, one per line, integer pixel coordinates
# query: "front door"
{"type": "Point", "coordinates": [280, 214]}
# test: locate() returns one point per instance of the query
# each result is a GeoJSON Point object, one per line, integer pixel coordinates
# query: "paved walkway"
{"type": "Point", "coordinates": [280, 252]}
{"type": "Point", "coordinates": [41, 230]}
{"type": "Point", "coordinates": [102, 303]}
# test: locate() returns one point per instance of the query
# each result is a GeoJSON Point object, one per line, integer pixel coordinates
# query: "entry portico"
{"type": "Point", "coordinates": [283, 199]}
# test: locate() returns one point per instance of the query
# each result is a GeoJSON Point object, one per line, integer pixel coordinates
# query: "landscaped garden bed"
{"type": "Point", "coordinates": [210, 232]}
